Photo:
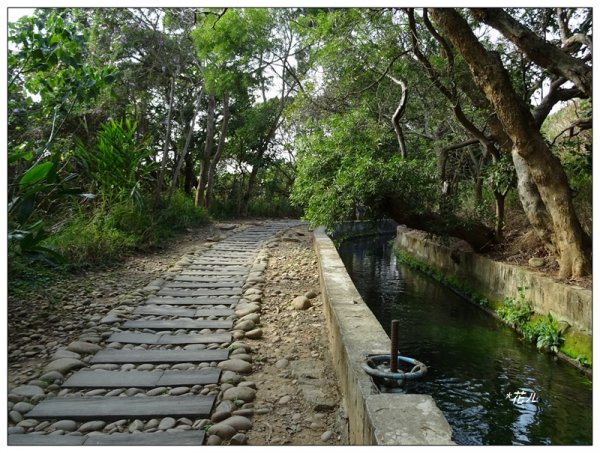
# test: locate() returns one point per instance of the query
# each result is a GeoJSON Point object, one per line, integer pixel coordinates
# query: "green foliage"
{"type": "Point", "coordinates": [28, 243]}
{"type": "Point", "coordinates": [544, 332]}
{"type": "Point", "coordinates": [107, 235]}
{"type": "Point", "coordinates": [516, 312]}
{"type": "Point", "coordinates": [118, 163]}
{"type": "Point", "coordinates": [343, 168]}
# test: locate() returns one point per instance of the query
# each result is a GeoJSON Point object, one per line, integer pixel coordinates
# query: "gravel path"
{"type": "Point", "coordinates": [187, 354]}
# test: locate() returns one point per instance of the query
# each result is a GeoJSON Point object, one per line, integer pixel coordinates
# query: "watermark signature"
{"type": "Point", "coordinates": [521, 397]}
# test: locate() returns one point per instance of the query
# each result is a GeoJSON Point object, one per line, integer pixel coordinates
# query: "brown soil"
{"type": "Point", "coordinates": [521, 243]}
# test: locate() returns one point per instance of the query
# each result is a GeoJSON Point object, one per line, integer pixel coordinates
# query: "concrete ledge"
{"type": "Point", "coordinates": [354, 332]}
{"type": "Point", "coordinates": [496, 280]}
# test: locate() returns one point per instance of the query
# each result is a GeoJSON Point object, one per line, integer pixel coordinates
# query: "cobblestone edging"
{"type": "Point", "coordinates": [172, 370]}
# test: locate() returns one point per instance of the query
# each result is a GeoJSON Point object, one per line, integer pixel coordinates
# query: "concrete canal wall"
{"type": "Point", "coordinates": [354, 332]}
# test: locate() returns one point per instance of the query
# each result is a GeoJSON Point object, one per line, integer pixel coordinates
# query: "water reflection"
{"type": "Point", "coordinates": [474, 362]}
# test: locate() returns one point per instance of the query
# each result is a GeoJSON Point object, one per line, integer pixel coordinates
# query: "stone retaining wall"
{"type": "Point", "coordinates": [496, 280]}
{"type": "Point", "coordinates": [354, 332]}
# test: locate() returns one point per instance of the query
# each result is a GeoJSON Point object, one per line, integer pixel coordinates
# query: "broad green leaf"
{"type": "Point", "coordinates": [35, 174]}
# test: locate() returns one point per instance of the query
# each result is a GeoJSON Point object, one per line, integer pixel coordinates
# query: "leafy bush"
{"type": "Point", "coordinates": [107, 235]}
{"type": "Point", "coordinates": [545, 333]}
{"type": "Point", "coordinates": [516, 312]}
{"type": "Point", "coordinates": [117, 164]}
{"type": "Point", "coordinates": [343, 168]}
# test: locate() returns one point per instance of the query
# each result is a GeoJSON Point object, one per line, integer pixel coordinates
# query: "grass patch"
{"type": "Point", "coordinates": [105, 235]}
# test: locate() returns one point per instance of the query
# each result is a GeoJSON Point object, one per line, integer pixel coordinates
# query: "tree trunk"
{"type": "Point", "coordinates": [206, 155]}
{"type": "Point", "coordinates": [186, 147]}
{"type": "Point", "coordinates": [190, 180]}
{"type": "Point", "coordinates": [165, 156]}
{"type": "Point", "coordinates": [499, 199]}
{"type": "Point", "coordinates": [545, 168]}
{"type": "Point", "coordinates": [213, 165]}
{"type": "Point", "coordinates": [398, 114]}
{"type": "Point", "coordinates": [532, 203]}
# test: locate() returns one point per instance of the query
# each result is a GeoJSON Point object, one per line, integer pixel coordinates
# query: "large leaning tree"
{"type": "Point", "coordinates": [563, 232]}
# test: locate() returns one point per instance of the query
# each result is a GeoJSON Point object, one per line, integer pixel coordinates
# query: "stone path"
{"type": "Point", "coordinates": [161, 372]}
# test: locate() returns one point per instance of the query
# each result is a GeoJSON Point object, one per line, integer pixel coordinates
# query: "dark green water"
{"type": "Point", "coordinates": [474, 361]}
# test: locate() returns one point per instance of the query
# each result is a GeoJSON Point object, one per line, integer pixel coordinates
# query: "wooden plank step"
{"type": "Point", "coordinates": [141, 379]}
{"type": "Point", "coordinates": [214, 272]}
{"type": "Point", "coordinates": [217, 269]}
{"type": "Point", "coordinates": [115, 408]}
{"type": "Point", "coordinates": [179, 311]}
{"type": "Point", "coordinates": [152, 338]}
{"type": "Point", "coordinates": [210, 278]}
{"type": "Point", "coordinates": [159, 356]}
{"type": "Point", "coordinates": [182, 284]}
{"type": "Point", "coordinates": [178, 324]}
{"type": "Point", "coordinates": [36, 440]}
{"type": "Point", "coordinates": [199, 292]}
{"type": "Point", "coordinates": [192, 301]}
{"type": "Point", "coordinates": [219, 253]}
{"type": "Point", "coordinates": [182, 438]}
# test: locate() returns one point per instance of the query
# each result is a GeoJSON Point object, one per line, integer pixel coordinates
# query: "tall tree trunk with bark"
{"type": "Point", "coordinates": [188, 140]}
{"type": "Point", "coordinates": [545, 168]}
{"type": "Point", "coordinates": [206, 155]}
{"type": "Point", "coordinates": [217, 157]}
{"type": "Point", "coordinates": [165, 156]}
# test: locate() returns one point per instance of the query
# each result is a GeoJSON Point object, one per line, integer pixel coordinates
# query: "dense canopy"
{"type": "Point", "coordinates": [125, 123]}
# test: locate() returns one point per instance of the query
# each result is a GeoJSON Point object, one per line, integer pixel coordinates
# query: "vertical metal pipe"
{"type": "Point", "coordinates": [394, 347]}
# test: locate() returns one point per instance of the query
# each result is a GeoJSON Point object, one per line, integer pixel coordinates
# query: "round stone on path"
{"type": "Point", "coordinates": [239, 423]}
{"type": "Point", "coordinates": [166, 423]}
{"type": "Point", "coordinates": [245, 309]}
{"type": "Point", "coordinates": [179, 391]}
{"type": "Point", "coordinates": [285, 399]}
{"type": "Point", "coordinates": [136, 425]}
{"type": "Point", "coordinates": [65, 425]}
{"type": "Point", "coordinates": [220, 416]}
{"type": "Point", "coordinates": [63, 353]}
{"type": "Point", "coordinates": [282, 363]}
{"type": "Point", "coordinates": [28, 390]}
{"type": "Point", "coordinates": [213, 440]}
{"type": "Point", "coordinates": [96, 425]}
{"type": "Point", "coordinates": [230, 377]}
{"type": "Point", "coordinates": [311, 294]}
{"type": "Point", "coordinates": [64, 365]}
{"type": "Point", "coordinates": [16, 430]}
{"type": "Point", "coordinates": [15, 417]}
{"type": "Point", "coordinates": [222, 430]}
{"type": "Point", "coordinates": [83, 347]}
{"type": "Point", "coordinates": [239, 439]}
{"type": "Point", "coordinates": [301, 303]}
{"type": "Point", "coordinates": [156, 391]}
{"type": "Point", "coordinates": [245, 325]}
{"type": "Point", "coordinates": [326, 436]}
{"type": "Point", "coordinates": [254, 334]}
{"type": "Point", "coordinates": [245, 394]}
{"type": "Point", "coordinates": [23, 407]}
{"type": "Point", "coordinates": [239, 366]}
{"type": "Point", "coordinates": [51, 376]}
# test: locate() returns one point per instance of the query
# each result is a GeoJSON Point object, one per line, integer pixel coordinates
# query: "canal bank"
{"type": "Point", "coordinates": [494, 284]}
{"type": "Point", "coordinates": [492, 387]}
{"type": "Point", "coordinates": [374, 418]}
